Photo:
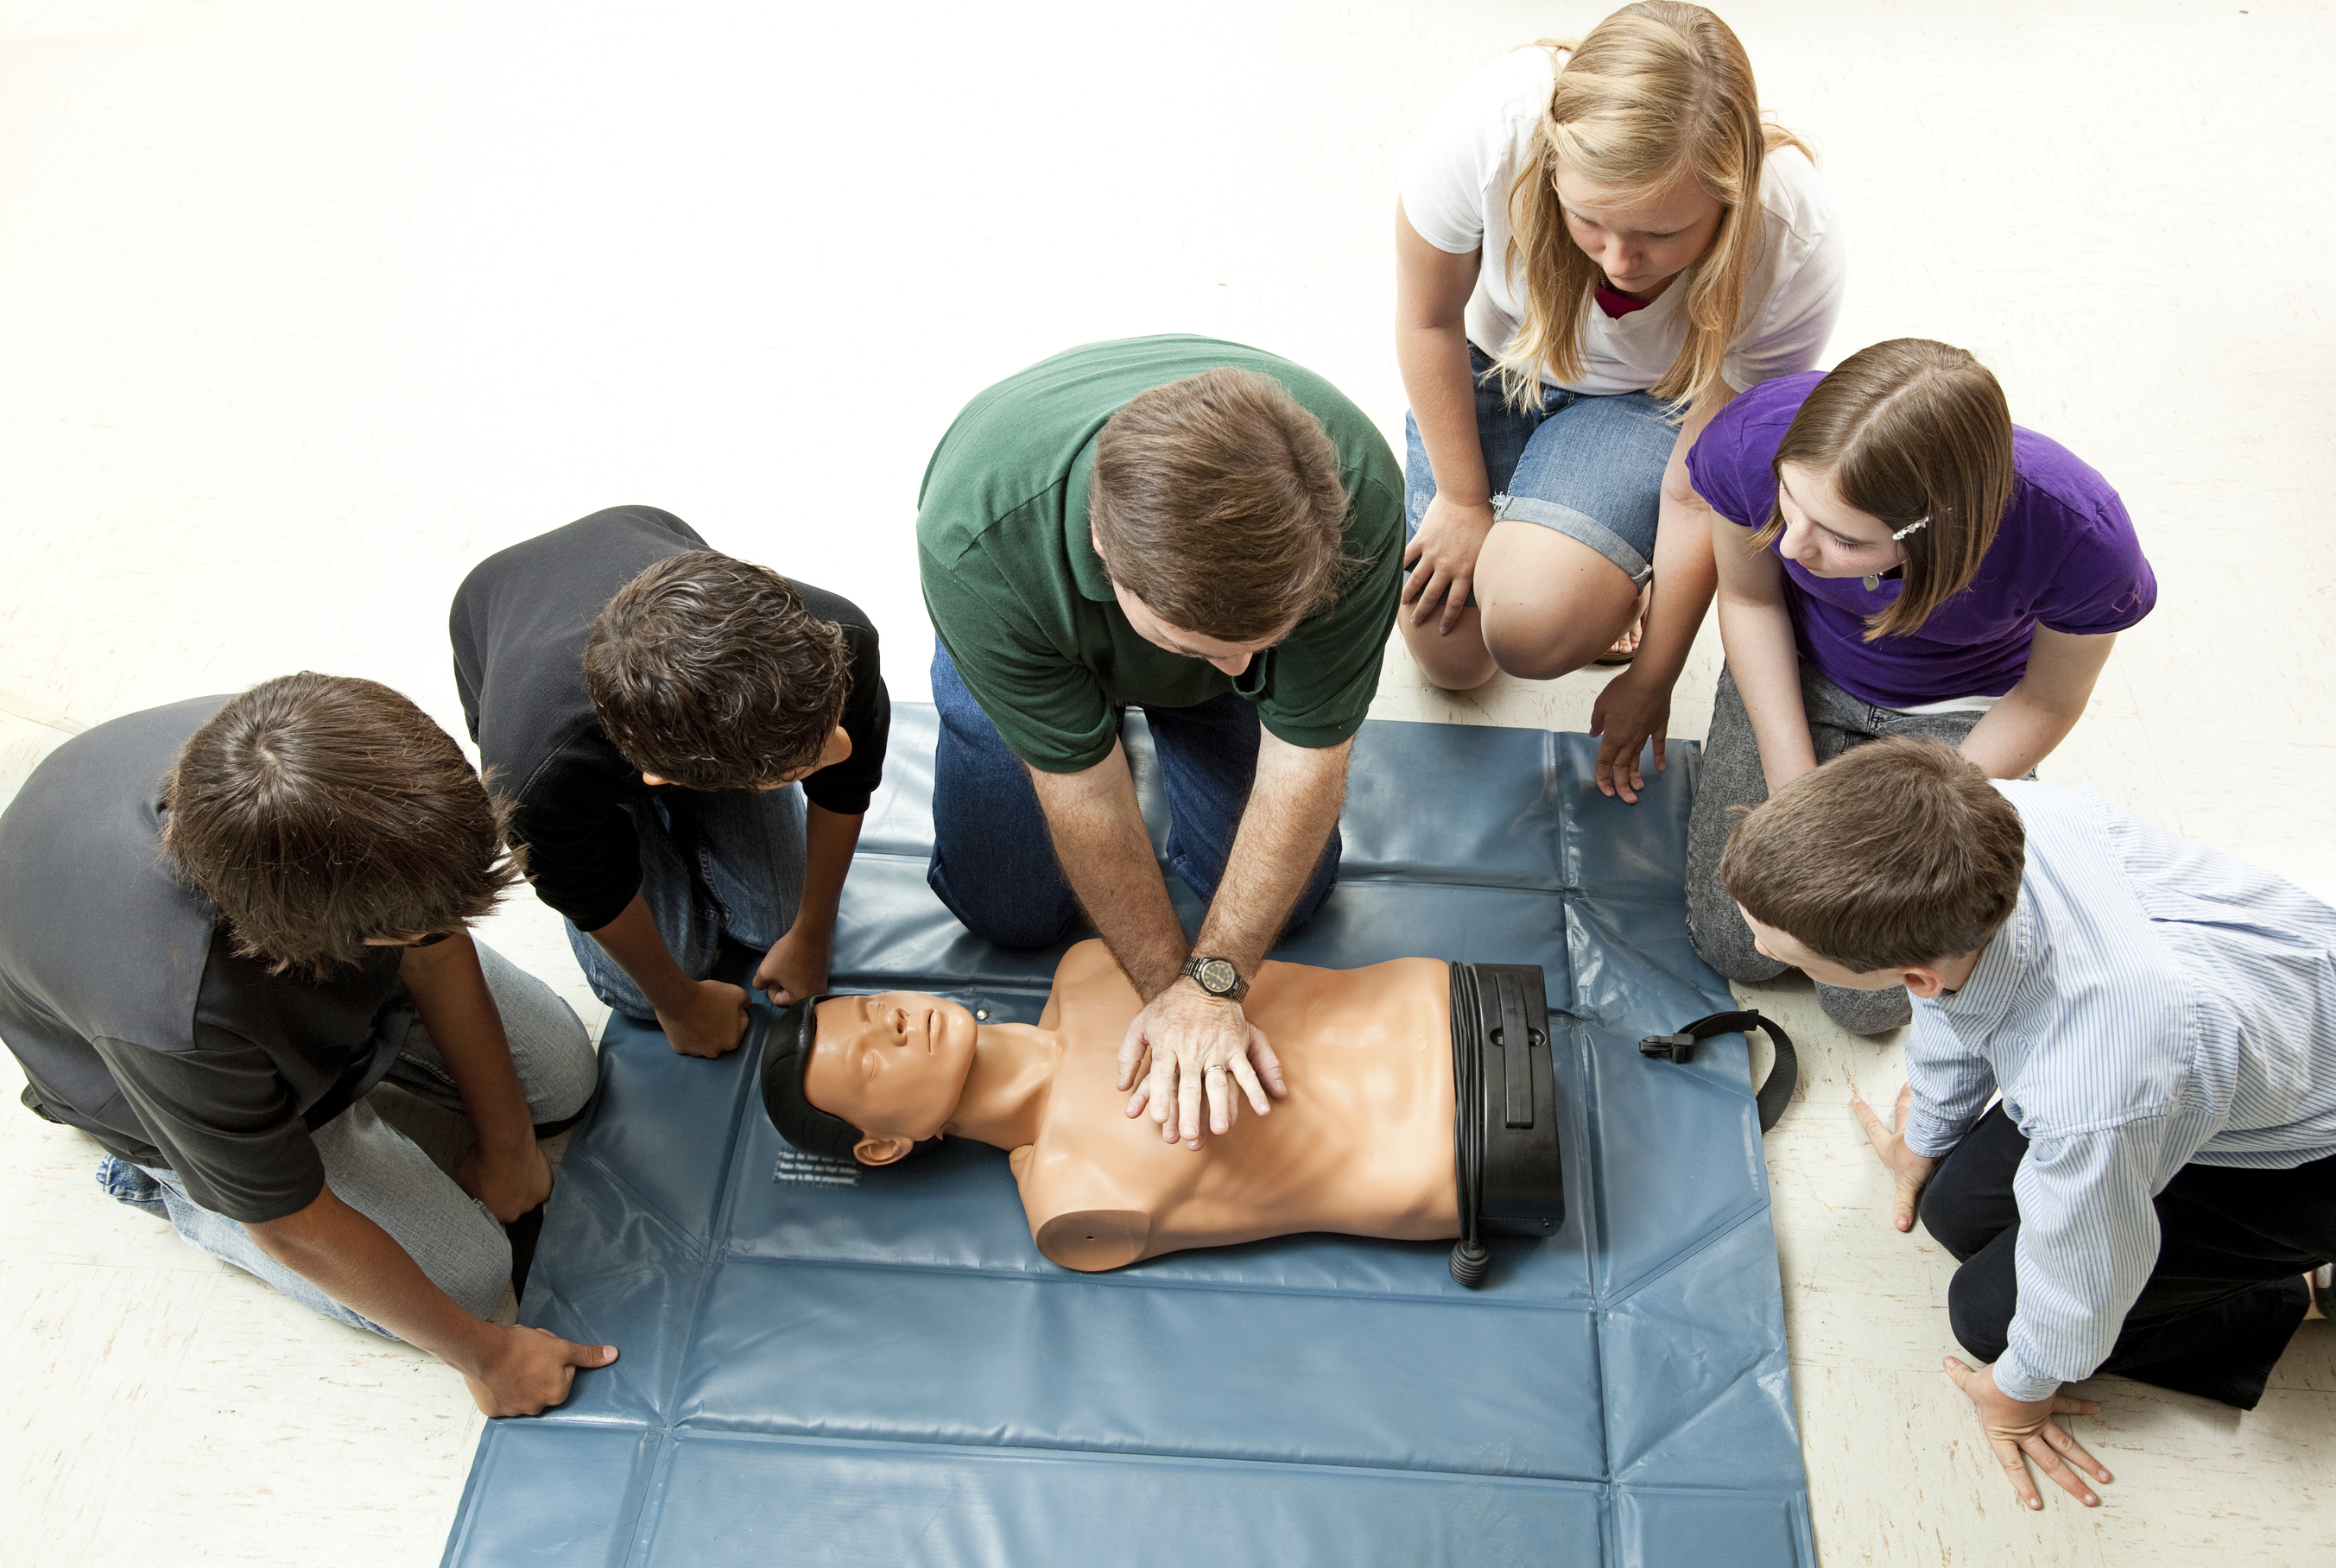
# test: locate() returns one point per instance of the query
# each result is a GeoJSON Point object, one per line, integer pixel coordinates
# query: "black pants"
{"type": "Point", "coordinates": [2227, 1292]}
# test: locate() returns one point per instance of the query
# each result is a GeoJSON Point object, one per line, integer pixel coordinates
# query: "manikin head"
{"type": "Point", "coordinates": [867, 1077]}
{"type": "Point", "coordinates": [1892, 865]}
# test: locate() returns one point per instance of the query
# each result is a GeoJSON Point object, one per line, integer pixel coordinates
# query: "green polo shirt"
{"type": "Point", "coordinates": [1022, 603]}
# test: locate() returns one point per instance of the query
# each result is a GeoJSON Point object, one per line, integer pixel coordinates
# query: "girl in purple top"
{"type": "Point", "coordinates": [1903, 560]}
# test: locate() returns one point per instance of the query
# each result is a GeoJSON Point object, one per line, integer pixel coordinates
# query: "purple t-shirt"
{"type": "Point", "coordinates": [2065, 557]}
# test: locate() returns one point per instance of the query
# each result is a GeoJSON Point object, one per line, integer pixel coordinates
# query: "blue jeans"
{"type": "Point", "coordinates": [711, 863]}
{"type": "Point", "coordinates": [382, 1174]}
{"type": "Point", "coordinates": [1588, 467]}
{"type": "Point", "coordinates": [992, 861]}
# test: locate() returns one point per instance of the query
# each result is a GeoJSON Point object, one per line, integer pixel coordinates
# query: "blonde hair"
{"type": "Point", "coordinates": [1914, 432]}
{"type": "Point", "coordinates": [1659, 89]}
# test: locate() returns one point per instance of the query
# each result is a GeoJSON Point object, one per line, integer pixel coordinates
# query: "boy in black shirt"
{"type": "Point", "coordinates": [648, 704]}
{"type": "Point", "coordinates": [230, 919]}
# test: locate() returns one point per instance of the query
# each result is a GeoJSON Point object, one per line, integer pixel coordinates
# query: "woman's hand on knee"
{"type": "Point", "coordinates": [1440, 561]}
{"type": "Point", "coordinates": [1911, 1171]}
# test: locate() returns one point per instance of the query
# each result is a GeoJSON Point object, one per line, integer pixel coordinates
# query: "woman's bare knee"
{"type": "Point", "coordinates": [1542, 642]}
{"type": "Point", "coordinates": [1456, 661]}
{"type": "Point", "coordinates": [1554, 603]}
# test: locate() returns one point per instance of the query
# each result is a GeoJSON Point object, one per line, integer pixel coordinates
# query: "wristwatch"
{"type": "Point", "coordinates": [1215, 976]}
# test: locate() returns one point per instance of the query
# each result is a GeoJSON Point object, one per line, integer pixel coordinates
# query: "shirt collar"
{"type": "Point", "coordinates": [1078, 536]}
{"type": "Point", "coordinates": [2003, 968]}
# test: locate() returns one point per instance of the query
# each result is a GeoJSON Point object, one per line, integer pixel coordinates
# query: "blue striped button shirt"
{"type": "Point", "coordinates": [2150, 1003]}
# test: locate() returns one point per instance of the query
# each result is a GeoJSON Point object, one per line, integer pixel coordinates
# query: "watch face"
{"type": "Point", "coordinates": [1217, 977]}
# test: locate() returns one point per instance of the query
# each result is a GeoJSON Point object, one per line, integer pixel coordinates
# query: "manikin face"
{"type": "Point", "coordinates": [1640, 245]}
{"type": "Point", "coordinates": [1826, 535]}
{"type": "Point", "coordinates": [891, 1065]}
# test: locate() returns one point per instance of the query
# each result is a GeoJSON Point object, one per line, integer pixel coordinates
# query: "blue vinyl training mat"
{"type": "Point", "coordinates": [828, 1366]}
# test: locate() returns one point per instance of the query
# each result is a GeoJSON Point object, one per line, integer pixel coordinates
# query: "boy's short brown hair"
{"type": "Point", "coordinates": [315, 811]}
{"type": "Point", "coordinates": [714, 674]}
{"type": "Point", "coordinates": [1896, 854]}
{"type": "Point", "coordinates": [1216, 500]}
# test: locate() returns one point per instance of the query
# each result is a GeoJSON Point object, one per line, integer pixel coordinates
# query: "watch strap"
{"type": "Point", "coordinates": [1194, 971]}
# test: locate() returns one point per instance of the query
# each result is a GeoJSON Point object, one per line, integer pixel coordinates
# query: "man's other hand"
{"type": "Point", "coordinates": [2019, 1431]}
{"type": "Point", "coordinates": [1198, 1047]}
{"type": "Point", "coordinates": [711, 1023]}
{"type": "Point", "coordinates": [509, 1185]}
{"type": "Point", "coordinates": [1912, 1170]}
{"type": "Point", "coordinates": [795, 968]}
{"type": "Point", "coordinates": [530, 1371]}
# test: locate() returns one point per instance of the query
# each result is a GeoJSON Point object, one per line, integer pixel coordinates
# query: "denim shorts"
{"type": "Point", "coordinates": [1591, 467]}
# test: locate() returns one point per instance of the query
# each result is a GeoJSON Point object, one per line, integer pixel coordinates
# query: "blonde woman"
{"type": "Point", "coordinates": [1599, 245]}
{"type": "Point", "coordinates": [1896, 556]}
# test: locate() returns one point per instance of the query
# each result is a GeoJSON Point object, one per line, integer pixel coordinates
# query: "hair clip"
{"type": "Point", "coordinates": [1908, 528]}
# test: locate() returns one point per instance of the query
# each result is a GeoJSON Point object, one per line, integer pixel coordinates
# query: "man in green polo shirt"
{"type": "Point", "coordinates": [1209, 534]}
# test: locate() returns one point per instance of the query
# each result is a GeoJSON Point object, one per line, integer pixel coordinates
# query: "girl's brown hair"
{"type": "Point", "coordinates": [316, 810]}
{"type": "Point", "coordinates": [1659, 89]}
{"type": "Point", "coordinates": [1912, 432]}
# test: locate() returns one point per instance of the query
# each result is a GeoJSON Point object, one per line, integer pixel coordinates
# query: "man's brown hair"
{"type": "Point", "coordinates": [315, 811]}
{"type": "Point", "coordinates": [1216, 500]}
{"type": "Point", "coordinates": [714, 675]}
{"type": "Point", "coordinates": [1912, 432]}
{"type": "Point", "coordinates": [1895, 853]}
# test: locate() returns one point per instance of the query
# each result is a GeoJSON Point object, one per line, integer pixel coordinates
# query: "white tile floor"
{"type": "Point", "coordinates": [309, 307]}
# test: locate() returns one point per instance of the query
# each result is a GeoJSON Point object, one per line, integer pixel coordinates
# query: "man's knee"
{"type": "Point", "coordinates": [474, 1264]}
{"type": "Point", "coordinates": [1957, 1218]}
{"type": "Point", "coordinates": [560, 1084]}
{"type": "Point", "coordinates": [999, 913]}
{"type": "Point", "coordinates": [1978, 1310]}
{"type": "Point", "coordinates": [551, 1050]}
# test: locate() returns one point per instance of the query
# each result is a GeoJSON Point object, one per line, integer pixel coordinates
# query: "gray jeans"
{"type": "Point", "coordinates": [711, 863]}
{"type": "Point", "coordinates": [1732, 777]}
{"type": "Point", "coordinates": [383, 1175]}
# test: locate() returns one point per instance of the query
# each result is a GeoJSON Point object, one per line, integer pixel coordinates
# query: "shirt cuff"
{"type": "Point", "coordinates": [2016, 1381]}
{"type": "Point", "coordinates": [1933, 1136]}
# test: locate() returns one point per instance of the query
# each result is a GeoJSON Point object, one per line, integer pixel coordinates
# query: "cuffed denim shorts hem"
{"type": "Point", "coordinates": [1580, 526]}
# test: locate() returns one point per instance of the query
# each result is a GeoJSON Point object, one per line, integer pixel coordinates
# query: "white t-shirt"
{"type": "Point", "coordinates": [1456, 176]}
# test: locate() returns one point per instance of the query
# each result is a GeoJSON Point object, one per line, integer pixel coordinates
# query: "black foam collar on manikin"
{"type": "Point", "coordinates": [786, 1056]}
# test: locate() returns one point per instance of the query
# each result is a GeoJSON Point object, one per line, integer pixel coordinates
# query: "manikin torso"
{"type": "Point", "coordinates": [1362, 1143]}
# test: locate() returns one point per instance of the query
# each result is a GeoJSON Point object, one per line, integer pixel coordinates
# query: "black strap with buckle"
{"type": "Point", "coordinates": [1775, 1093]}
